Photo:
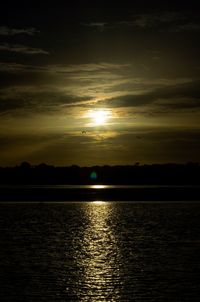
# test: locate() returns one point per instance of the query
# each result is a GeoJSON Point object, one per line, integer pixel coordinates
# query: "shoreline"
{"type": "Point", "coordinates": [143, 193]}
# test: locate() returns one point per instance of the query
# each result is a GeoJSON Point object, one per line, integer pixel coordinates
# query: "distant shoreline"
{"type": "Point", "coordinates": [92, 193]}
{"type": "Point", "coordinates": [155, 174]}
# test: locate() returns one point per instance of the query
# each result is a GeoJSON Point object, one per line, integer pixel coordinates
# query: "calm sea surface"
{"type": "Point", "coordinates": [100, 251]}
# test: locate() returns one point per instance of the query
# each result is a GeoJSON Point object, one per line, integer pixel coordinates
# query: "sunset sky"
{"type": "Point", "coordinates": [99, 82]}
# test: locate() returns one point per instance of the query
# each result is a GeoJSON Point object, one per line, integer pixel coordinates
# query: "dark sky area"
{"type": "Point", "coordinates": [99, 82]}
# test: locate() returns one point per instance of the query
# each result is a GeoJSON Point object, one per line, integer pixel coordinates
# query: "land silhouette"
{"type": "Point", "coordinates": [167, 182]}
{"type": "Point", "coordinates": [155, 174]}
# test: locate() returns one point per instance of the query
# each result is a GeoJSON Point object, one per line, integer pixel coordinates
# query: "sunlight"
{"type": "Point", "coordinates": [99, 253]}
{"type": "Point", "coordinates": [100, 116]}
{"type": "Point", "coordinates": [98, 202]}
{"type": "Point", "coordinates": [98, 186]}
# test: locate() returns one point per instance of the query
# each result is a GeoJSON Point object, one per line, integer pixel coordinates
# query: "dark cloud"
{"type": "Point", "coordinates": [187, 27]}
{"type": "Point", "coordinates": [22, 49]}
{"type": "Point", "coordinates": [37, 101]}
{"type": "Point", "coordinates": [80, 82]}
{"type": "Point", "coordinates": [154, 19]}
{"type": "Point", "coordinates": [101, 26]}
{"type": "Point", "coordinates": [71, 85]}
{"type": "Point", "coordinates": [169, 21]}
{"type": "Point", "coordinates": [8, 31]}
{"type": "Point", "coordinates": [172, 21]}
{"type": "Point", "coordinates": [181, 96]}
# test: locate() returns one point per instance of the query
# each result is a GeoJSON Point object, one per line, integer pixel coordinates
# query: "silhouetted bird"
{"type": "Point", "coordinates": [84, 132]}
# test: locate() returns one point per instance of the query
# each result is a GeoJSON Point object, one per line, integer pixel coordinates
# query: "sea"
{"type": "Point", "coordinates": [100, 251]}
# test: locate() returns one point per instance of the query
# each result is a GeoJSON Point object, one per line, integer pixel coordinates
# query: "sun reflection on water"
{"type": "Point", "coordinates": [99, 255]}
{"type": "Point", "coordinates": [98, 202]}
{"type": "Point", "coordinates": [98, 186]}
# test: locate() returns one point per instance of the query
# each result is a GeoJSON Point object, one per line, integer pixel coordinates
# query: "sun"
{"type": "Point", "coordinates": [99, 116]}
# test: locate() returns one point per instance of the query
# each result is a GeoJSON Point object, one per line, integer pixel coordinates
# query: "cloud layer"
{"type": "Point", "coordinates": [140, 63]}
{"type": "Point", "coordinates": [22, 49]}
{"type": "Point", "coordinates": [8, 31]}
{"type": "Point", "coordinates": [54, 87]}
{"type": "Point", "coordinates": [170, 21]}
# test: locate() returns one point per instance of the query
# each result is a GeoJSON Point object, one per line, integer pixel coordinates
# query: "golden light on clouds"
{"type": "Point", "coordinates": [99, 116]}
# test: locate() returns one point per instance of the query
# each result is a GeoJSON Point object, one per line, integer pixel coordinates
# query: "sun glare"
{"type": "Point", "coordinates": [100, 116]}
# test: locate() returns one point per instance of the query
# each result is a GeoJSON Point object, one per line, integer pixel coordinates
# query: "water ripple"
{"type": "Point", "coordinates": [99, 251]}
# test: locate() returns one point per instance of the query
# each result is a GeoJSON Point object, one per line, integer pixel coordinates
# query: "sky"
{"type": "Point", "coordinates": [99, 82]}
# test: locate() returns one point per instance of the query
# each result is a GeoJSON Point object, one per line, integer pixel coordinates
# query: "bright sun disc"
{"type": "Point", "coordinates": [99, 117]}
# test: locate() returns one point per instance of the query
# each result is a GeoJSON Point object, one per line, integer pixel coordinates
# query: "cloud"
{"type": "Point", "coordinates": [91, 68]}
{"type": "Point", "coordinates": [101, 26]}
{"type": "Point", "coordinates": [168, 97]}
{"type": "Point", "coordinates": [169, 21]}
{"type": "Point", "coordinates": [37, 99]}
{"type": "Point", "coordinates": [78, 79]}
{"type": "Point", "coordinates": [7, 31]}
{"type": "Point", "coordinates": [188, 27]}
{"type": "Point", "coordinates": [155, 19]}
{"type": "Point", "coordinates": [56, 87]}
{"type": "Point", "coordinates": [22, 49]}
{"type": "Point", "coordinates": [16, 68]}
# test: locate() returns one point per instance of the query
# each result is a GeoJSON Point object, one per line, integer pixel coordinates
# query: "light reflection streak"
{"type": "Point", "coordinates": [99, 257]}
{"type": "Point", "coordinates": [98, 186]}
{"type": "Point", "coordinates": [99, 202]}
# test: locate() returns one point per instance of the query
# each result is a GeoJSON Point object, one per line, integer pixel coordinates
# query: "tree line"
{"type": "Point", "coordinates": [136, 174]}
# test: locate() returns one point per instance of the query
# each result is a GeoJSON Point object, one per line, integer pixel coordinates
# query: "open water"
{"type": "Point", "coordinates": [100, 251]}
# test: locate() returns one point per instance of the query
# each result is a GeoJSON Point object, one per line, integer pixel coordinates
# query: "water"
{"type": "Point", "coordinates": [99, 251]}
{"type": "Point", "coordinates": [97, 186]}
